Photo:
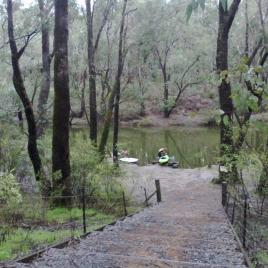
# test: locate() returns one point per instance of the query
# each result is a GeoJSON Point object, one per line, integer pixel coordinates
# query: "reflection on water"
{"type": "Point", "coordinates": [191, 147]}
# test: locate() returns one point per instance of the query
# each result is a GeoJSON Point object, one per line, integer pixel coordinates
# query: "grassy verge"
{"type": "Point", "coordinates": [22, 241]}
{"type": "Point", "coordinates": [262, 258]}
{"type": "Point", "coordinates": [62, 215]}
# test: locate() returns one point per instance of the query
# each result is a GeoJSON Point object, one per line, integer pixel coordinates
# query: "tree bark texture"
{"type": "Point", "coordinates": [118, 84]}
{"type": "Point", "coordinates": [226, 17]}
{"type": "Point", "coordinates": [92, 76]}
{"type": "Point", "coordinates": [46, 62]}
{"type": "Point", "coordinates": [166, 95]}
{"type": "Point", "coordinates": [60, 143]}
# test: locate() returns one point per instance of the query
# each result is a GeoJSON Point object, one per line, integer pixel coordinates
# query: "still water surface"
{"type": "Point", "coordinates": [191, 147]}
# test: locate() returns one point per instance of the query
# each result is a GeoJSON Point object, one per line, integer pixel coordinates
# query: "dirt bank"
{"type": "Point", "coordinates": [183, 119]}
{"type": "Point", "coordinates": [191, 119]}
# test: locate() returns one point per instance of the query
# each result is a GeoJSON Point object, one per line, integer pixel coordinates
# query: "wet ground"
{"type": "Point", "coordinates": [188, 229]}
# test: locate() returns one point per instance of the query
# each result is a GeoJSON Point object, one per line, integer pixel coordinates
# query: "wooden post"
{"type": "Point", "coordinates": [70, 206]}
{"type": "Point", "coordinates": [224, 193]}
{"type": "Point", "coordinates": [233, 212]}
{"type": "Point", "coordinates": [227, 204]}
{"type": "Point", "coordinates": [44, 208]}
{"type": "Point", "coordinates": [125, 205]}
{"type": "Point", "coordinates": [245, 221]}
{"type": "Point", "coordinates": [84, 210]}
{"type": "Point", "coordinates": [146, 198]}
{"type": "Point", "coordinates": [158, 191]}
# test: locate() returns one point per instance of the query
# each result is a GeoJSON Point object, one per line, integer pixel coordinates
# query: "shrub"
{"type": "Point", "coordinates": [97, 177]}
{"type": "Point", "coordinates": [11, 148]}
{"type": "Point", "coordinates": [9, 190]}
{"type": "Point", "coordinates": [10, 197]}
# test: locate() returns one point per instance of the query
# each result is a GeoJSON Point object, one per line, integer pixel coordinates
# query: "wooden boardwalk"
{"type": "Point", "coordinates": [188, 229]}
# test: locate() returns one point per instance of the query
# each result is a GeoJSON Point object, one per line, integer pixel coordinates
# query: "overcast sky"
{"type": "Point", "coordinates": [28, 2]}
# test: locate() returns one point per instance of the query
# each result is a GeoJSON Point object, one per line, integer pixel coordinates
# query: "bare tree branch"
{"type": "Point", "coordinates": [130, 11]}
{"type": "Point", "coordinates": [189, 68]}
{"type": "Point", "coordinates": [25, 37]}
{"type": "Point", "coordinates": [255, 51]}
{"type": "Point", "coordinates": [103, 23]}
{"type": "Point", "coordinates": [28, 38]}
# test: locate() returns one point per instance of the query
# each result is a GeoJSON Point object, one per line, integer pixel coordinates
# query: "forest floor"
{"type": "Point", "coordinates": [188, 229]}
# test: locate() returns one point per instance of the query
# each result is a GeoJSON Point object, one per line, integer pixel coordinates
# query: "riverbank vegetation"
{"type": "Point", "coordinates": [105, 64]}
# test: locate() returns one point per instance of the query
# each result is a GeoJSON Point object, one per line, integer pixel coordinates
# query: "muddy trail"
{"type": "Point", "coordinates": [188, 229]}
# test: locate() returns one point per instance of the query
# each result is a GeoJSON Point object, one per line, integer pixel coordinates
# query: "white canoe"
{"type": "Point", "coordinates": [129, 160]}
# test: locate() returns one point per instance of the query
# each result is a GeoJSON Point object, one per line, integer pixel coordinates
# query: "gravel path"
{"type": "Point", "coordinates": [188, 229]}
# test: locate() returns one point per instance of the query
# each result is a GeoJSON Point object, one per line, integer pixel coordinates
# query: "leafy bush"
{"type": "Point", "coordinates": [10, 104]}
{"type": "Point", "coordinates": [10, 197]}
{"type": "Point", "coordinates": [262, 258]}
{"type": "Point", "coordinates": [11, 148]}
{"type": "Point", "coordinates": [9, 190]}
{"type": "Point", "coordinates": [146, 122]}
{"type": "Point", "coordinates": [90, 173]}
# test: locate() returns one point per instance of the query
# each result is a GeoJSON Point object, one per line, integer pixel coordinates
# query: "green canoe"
{"type": "Point", "coordinates": [163, 160]}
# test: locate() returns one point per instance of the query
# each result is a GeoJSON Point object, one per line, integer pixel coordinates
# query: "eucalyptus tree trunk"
{"type": "Point", "coordinates": [118, 84]}
{"type": "Point", "coordinates": [92, 76]}
{"type": "Point", "coordinates": [107, 122]}
{"type": "Point", "coordinates": [247, 30]}
{"type": "Point", "coordinates": [226, 17]}
{"type": "Point", "coordinates": [141, 87]}
{"type": "Point", "coordinates": [22, 93]}
{"type": "Point", "coordinates": [60, 143]}
{"type": "Point", "coordinates": [166, 93]}
{"type": "Point", "coordinates": [166, 77]}
{"type": "Point", "coordinates": [114, 97]}
{"type": "Point", "coordinates": [46, 61]}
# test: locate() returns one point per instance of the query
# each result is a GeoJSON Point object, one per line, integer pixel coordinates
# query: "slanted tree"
{"type": "Point", "coordinates": [22, 93]}
{"type": "Point", "coordinates": [60, 142]}
{"type": "Point", "coordinates": [106, 73]}
{"type": "Point", "coordinates": [114, 97]}
{"type": "Point", "coordinates": [121, 60]}
{"type": "Point", "coordinates": [93, 44]}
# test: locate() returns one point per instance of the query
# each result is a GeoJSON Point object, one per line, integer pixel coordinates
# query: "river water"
{"type": "Point", "coordinates": [191, 147]}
